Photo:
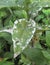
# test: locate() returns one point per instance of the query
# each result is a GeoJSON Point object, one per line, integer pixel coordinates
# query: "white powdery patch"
{"type": "Point", "coordinates": [40, 9]}
{"type": "Point", "coordinates": [39, 28]}
{"type": "Point", "coordinates": [17, 40]}
{"type": "Point", "coordinates": [34, 31]}
{"type": "Point", "coordinates": [46, 6]}
{"type": "Point", "coordinates": [16, 22]}
{"type": "Point", "coordinates": [14, 43]}
{"type": "Point", "coordinates": [23, 48]}
{"type": "Point", "coordinates": [7, 30]}
{"type": "Point", "coordinates": [16, 54]}
{"type": "Point", "coordinates": [49, 26]}
{"type": "Point", "coordinates": [28, 41]}
{"type": "Point", "coordinates": [34, 14]}
{"type": "Point", "coordinates": [20, 20]}
{"type": "Point", "coordinates": [29, 25]}
{"type": "Point", "coordinates": [14, 27]}
{"type": "Point", "coordinates": [33, 24]}
{"type": "Point", "coordinates": [14, 47]}
{"type": "Point", "coordinates": [20, 6]}
{"type": "Point", "coordinates": [19, 43]}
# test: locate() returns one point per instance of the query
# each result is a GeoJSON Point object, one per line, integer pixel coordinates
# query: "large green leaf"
{"type": "Point", "coordinates": [8, 55]}
{"type": "Point", "coordinates": [2, 13]}
{"type": "Point", "coordinates": [20, 14]}
{"type": "Point", "coordinates": [23, 31]}
{"type": "Point", "coordinates": [7, 36]}
{"type": "Point", "coordinates": [46, 12]}
{"type": "Point", "coordinates": [46, 54]}
{"type": "Point", "coordinates": [35, 55]}
{"type": "Point", "coordinates": [6, 63]}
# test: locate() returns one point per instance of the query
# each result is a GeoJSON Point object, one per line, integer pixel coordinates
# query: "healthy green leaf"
{"type": "Point", "coordinates": [7, 36]}
{"type": "Point", "coordinates": [20, 14]}
{"type": "Point", "coordinates": [6, 63]}
{"type": "Point", "coordinates": [46, 54]}
{"type": "Point", "coordinates": [35, 55]}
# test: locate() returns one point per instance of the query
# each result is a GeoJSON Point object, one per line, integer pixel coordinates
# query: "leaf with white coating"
{"type": "Point", "coordinates": [22, 34]}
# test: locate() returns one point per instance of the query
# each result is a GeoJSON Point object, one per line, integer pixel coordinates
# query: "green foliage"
{"type": "Point", "coordinates": [19, 13]}
{"type": "Point", "coordinates": [48, 38]}
{"type": "Point", "coordinates": [6, 63]}
{"type": "Point", "coordinates": [35, 55]}
{"type": "Point", "coordinates": [46, 54]}
{"type": "Point", "coordinates": [43, 17]}
{"type": "Point", "coordinates": [25, 30]}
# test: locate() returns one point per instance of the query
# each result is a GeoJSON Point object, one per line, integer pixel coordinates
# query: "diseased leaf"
{"type": "Point", "coordinates": [22, 34]}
